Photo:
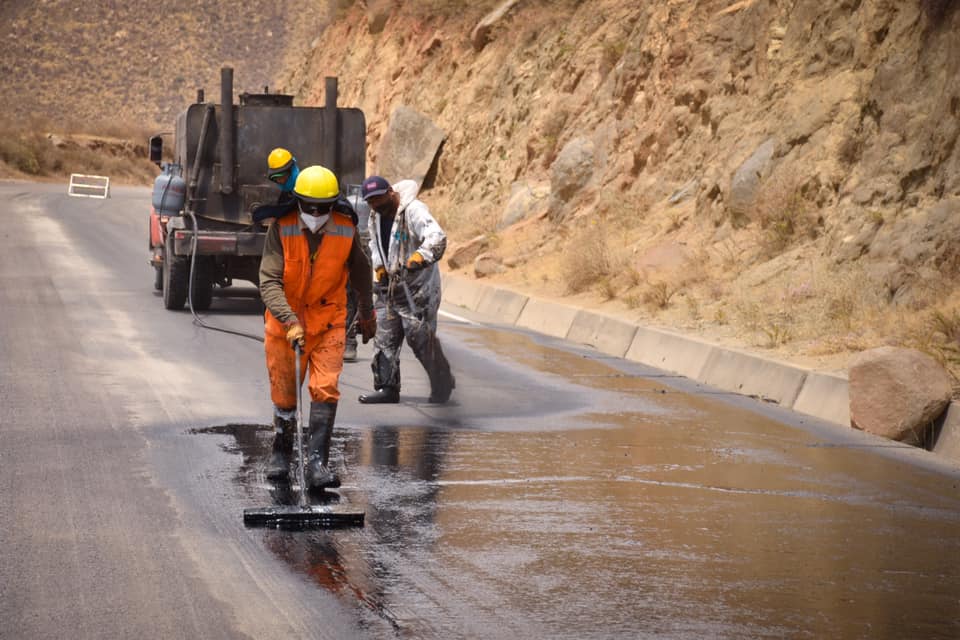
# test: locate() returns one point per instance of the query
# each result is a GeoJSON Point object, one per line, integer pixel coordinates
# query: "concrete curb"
{"type": "Point", "coordinates": [753, 376]}
{"type": "Point", "coordinates": [462, 292]}
{"type": "Point", "coordinates": [607, 335]}
{"type": "Point", "coordinates": [670, 351]}
{"type": "Point", "coordinates": [814, 393]}
{"type": "Point", "coordinates": [948, 443]}
{"type": "Point", "coordinates": [504, 305]}
{"type": "Point", "coordinates": [825, 396]}
{"type": "Point", "coordinates": [548, 318]}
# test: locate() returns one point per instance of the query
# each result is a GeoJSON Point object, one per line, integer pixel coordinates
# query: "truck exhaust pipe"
{"type": "Point", "coordinates": [331, 148]}
{"type": "Point", "coordinates": [227, 147]}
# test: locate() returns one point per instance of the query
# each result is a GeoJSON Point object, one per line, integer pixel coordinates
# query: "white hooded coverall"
{"type": "Point", "coordinates": [414, 229]}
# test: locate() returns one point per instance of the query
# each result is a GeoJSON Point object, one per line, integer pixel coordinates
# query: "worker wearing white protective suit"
{"type": "Point", "coordinates": [405, 245]}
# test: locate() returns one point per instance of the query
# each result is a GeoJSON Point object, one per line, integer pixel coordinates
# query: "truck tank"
{"type": "Point", "coordinates": [222, 150]}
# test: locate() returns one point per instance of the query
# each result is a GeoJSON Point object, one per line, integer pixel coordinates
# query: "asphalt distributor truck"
{"type": "Point", "coordinates": [218, 178]}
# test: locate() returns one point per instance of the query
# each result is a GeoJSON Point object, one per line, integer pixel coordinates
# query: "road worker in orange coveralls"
{"type": "Point", "coordinates": [308, 256]}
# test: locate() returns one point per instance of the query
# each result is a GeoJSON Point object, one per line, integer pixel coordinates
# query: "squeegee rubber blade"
{"type": "Point", "coordinates": [295, 517]}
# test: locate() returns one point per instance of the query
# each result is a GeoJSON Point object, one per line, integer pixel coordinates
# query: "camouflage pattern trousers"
{"type": "Point", "coordinates": [397, 321]}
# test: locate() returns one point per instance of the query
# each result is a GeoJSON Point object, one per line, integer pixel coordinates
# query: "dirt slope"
{"type": "Point", "coordinates": [781, 174]}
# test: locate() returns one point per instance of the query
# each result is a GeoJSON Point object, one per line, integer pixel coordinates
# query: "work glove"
{"type": "Point", "coordinates": [416, 261]}
{"type": "Point", "coordinates": [368, 325]}
{"type": "Point", "coordinates": [296, 335]}
{"type": "Point", "coordinates": [380, 275]}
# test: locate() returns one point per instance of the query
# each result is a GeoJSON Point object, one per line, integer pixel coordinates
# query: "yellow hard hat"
{"type": "Point", "coordinates": [279, 160]}
{"type": "Point", "coordinates": [317, 184]}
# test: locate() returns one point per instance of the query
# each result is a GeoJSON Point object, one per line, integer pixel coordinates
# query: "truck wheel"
{"type": "Point", "coordinates": [158, 278]}
{"type": "Point", "coordinates": [202, 283]}
{"type": "Point", "coordinates": [176, 270]}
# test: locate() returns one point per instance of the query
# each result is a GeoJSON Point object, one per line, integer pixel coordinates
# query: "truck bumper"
{"type": "Point", "coordinates": [212, 243]}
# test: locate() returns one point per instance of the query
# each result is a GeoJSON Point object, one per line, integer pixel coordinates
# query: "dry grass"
{"type": "Point", "coordinates": [777, 330]}
{"type": "Point", "coordinates": [589, 260]}
{"type": "Point", "coordinates": [731, 256]}
{"type": "Point", "coordinates": [822, 312]}
{"type": "Point", "coordinates": [693, 307]}
{"type": "Point", "coordinates": [783, 216]}
{"type": "Point", "coordinates": [658, 295]}
{"type": "Point", "coordinates": [674, 221]}
{"type": "Point", "coordinates": [432, 9]}
{"type": "Point", "coordinates": [633, 276]}
{"type": "Point", "coordinates": [35, 152]}
{"type": "Point", "coordinates": [940, 337]}
{"type": "Point", "coordinates": [607, 288]}
{"type": "Point", "coordinates": [468, 221]}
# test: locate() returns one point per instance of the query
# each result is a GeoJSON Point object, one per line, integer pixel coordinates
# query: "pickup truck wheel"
{"type": "Point", "coordinates": [176, 270]}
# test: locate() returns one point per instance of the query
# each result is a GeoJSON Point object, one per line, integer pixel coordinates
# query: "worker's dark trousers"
{"type": "Point", "coordinates": [396, 321]}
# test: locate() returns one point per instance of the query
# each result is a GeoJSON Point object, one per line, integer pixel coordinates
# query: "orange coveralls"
{"type": "Point", "coordinates": [315, 288]}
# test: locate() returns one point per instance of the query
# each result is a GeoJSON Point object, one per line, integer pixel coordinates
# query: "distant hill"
{"type": "Point", "coordinates": [85, 65]}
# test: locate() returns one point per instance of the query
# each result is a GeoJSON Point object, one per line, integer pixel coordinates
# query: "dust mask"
{"type": "Point", "coordinates": [314, 222]}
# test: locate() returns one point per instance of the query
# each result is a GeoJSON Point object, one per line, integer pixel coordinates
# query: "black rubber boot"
{"type": "Point", "coordinates": [318, 473]}
{"type": "Point", "coordinates": [350, 351]}
{"type": "Point", "coordinates": [278, 469]}
{"type": "Point", "coordinates": [387, 395]}
{"type": "Point", "coordinates": [386, 372]}
{"type": "Point", "coordinates": [442, 382]}
{"type": "Point", "coordinates": [442, 393]}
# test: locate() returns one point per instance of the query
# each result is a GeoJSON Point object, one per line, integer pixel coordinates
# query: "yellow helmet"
{"type": "Point", "coordinates": [279, 160]}
{"type": "Point", "coordinates": [317, 184]}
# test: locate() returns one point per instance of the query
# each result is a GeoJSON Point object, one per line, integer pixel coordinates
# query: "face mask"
{"type": "Point", "coordinates": [314, 222]}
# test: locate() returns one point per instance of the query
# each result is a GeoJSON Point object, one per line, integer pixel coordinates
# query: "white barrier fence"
{"type": "Point", "coordinates": [85, 186]}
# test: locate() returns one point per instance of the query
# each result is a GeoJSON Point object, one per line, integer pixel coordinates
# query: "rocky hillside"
{"type": "Point", "coordinates": [781, 173]}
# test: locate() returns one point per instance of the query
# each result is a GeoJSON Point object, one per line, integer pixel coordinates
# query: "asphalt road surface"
{"type": "Point", "coordinates": [561, 494]}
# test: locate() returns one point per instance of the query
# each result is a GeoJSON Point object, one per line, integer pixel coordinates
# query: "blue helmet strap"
{"type": "Point", "coordinates": [292, 180]}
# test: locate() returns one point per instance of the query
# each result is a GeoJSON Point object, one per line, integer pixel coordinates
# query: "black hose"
{"type": "Point", "coordinates": [196, 318]}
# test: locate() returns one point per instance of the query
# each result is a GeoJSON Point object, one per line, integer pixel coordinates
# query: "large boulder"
{"type": "Point", "coordinates": [746, 179]}
{"type": "Point", "coordinates": [570, 173]}
{"type": "Point", "coordinates": [897, 393]}
{"type": "Point", "coordinates": [526, 201]}
{"type": "Point", "coordinates": [487, 264]}
{"type": "Point", "coordinates": [462, 255]}
{"type": "Point", "coordinates": [410, 146]}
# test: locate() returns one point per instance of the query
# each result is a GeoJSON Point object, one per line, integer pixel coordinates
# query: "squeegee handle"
{"type": "Point", "coordinates": [301, 472]}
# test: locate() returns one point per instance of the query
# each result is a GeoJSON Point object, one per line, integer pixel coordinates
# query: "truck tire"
{"type": "Point", "coordinates": [176, 271]}
{"type": "Point", "coordinates": [202, 283]}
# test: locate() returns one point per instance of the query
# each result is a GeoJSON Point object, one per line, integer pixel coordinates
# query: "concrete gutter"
{"type": "Point", "coordinates": [814, 393]}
